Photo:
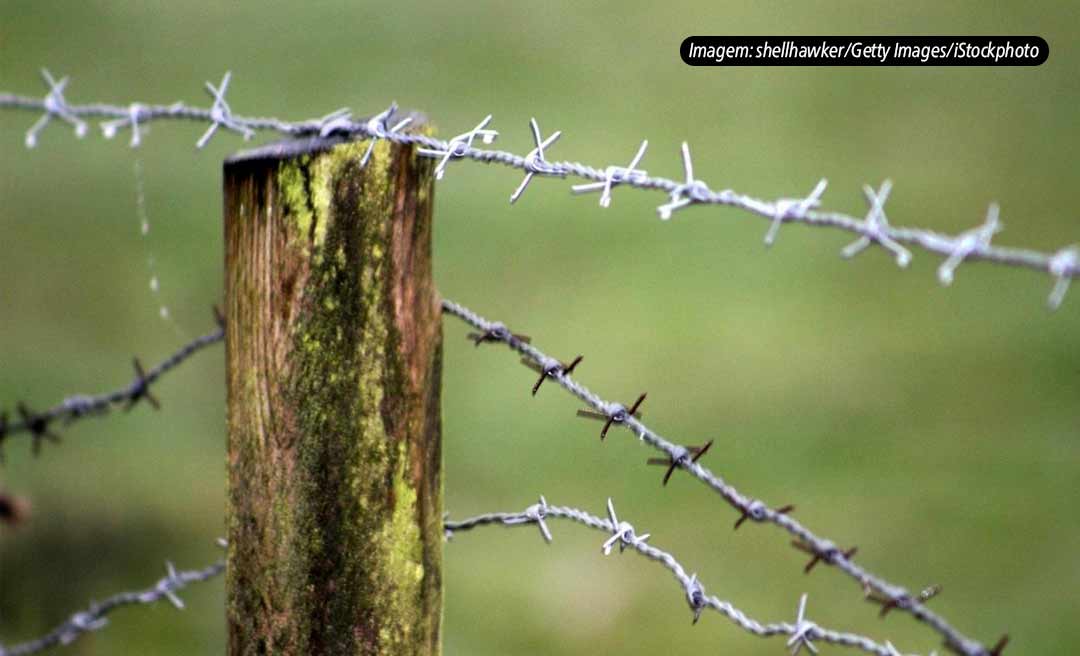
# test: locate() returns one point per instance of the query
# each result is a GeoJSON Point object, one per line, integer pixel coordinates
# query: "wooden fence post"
{"type": "Point", "coordinates": [334, 352]}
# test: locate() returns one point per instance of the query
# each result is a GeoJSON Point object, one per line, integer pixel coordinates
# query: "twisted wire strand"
{"type": "Point", "coordinates": [1063, 265]}
{"type": "Point", "coordinates": [750, 508]}
{"type": "Point", "coordinates": [94, 617]}
{"type": "Point", "coordinates": [76, 407]}
{"type": "Point", "coordinates": [804, 630]}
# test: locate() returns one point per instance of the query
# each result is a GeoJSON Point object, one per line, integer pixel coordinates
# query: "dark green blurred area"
{"type": "Point", "coordinates": [938, 429]}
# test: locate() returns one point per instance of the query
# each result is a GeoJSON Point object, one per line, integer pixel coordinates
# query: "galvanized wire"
{"type": "Point", "coordinates": [874, 229]}
{"type": "Point", "coordinates": [749, 508]}
{"type": "Point", "coordinates": [94, 617]}
{"type": "Point", "coordinates": [802, 633]}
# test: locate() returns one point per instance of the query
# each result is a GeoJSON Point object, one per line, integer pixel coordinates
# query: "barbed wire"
{"type": "Point", "coordinates": [73, 408]}
{"type": "Point", "coordinates": [620, 533]}
{"type": "Point", "coordinates": [974, 244]}
{"type": "Point", "coordinates": [94, 617]}
{"type": "Point", "coordinates": [802, 633]}
{"type": "Point", "coordinates": [876, 588]}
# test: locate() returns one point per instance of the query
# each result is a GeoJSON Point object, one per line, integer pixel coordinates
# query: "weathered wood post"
{"type": "Point", "coordinates": [333, 353]}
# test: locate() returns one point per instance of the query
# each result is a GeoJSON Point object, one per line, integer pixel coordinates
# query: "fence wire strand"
{"type": "Point", "coordinates": [39, 425]}
{"type": "Point", "coordinates": [802, 633]}
{"type": "Point", "coordinates": [94, 617]}
{"type": "Point", "coordinates": [821, 550]}
{"type": "Point", "coordinates": [874, 229]}
{"type": "Point", "coordinates": [619, 533]}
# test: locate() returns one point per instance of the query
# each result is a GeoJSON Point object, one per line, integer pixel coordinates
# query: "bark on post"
{"type": "Point", "coordinates": [334, 352]}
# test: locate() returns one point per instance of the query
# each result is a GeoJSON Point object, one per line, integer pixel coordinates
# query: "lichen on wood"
{"type": "Point", "coordinates": [334, 352]}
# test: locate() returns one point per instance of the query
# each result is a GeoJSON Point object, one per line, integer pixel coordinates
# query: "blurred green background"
{"type": "Point", "coordinates": [938, 429]}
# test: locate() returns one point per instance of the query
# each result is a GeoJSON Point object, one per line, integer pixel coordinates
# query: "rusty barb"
{"type": "Point", "coordinates": [497, 332]}
{"type": "Point", "coordinates": [690, 454]}
{"type": "Point", "coordinates": [552, 369]}
{"type": "Point", "coordinates": [614, 413]}
{"type": "Point", "coordinates": [41, 425]}
{"type": "Point", "coordinates": [888, 604]}
{"type": "Point", "coordinates": [817, 555]}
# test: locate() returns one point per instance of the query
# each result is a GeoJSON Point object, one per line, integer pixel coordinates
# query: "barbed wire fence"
{"type": "Point", "coordinates": [94, 618]}
{"type": "Point", "coordinates": [40, 425]}
{"type": "Point", "coordinates": [874, 229]}
{"type": "Point", "coordinates": [876, 589]}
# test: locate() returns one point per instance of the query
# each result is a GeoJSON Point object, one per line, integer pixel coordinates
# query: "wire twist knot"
{"type": "Point", "coordinates": [969, 242]}
{"type": "Point", "coordinates": [690, 191]}
{"type": "Point", "coordinates": [622, 533]}
{"type": "Point", "coordinates": [794, 209]}
{"type": "Point", "coordinates": [804, 632]}
{"type": "Point", "coordinates": [55, 106]}
{"type": "Point", "coordinates": [459, 146]}
{"type": "Point", "coordinates": [615, 175]}
{"type": "Point", "coordinates": [695, 596]}
{"type": "Point", "coordinates": [377, 128]}
{"type": "Point", "coordinates": [221, 113]}
{"type": "Point", "coordinates": [535, 162]}
{"type": "Point", "coordinates": [535, 514]}
{"type": "Point", "coordinates": [876, 227]}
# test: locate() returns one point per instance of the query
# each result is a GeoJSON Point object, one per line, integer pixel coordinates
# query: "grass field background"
{"type": "Point", "coordinates": [937, 429]}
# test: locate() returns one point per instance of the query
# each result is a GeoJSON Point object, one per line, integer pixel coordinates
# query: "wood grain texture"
{"type": "Point", "coordinates": [333, 363]}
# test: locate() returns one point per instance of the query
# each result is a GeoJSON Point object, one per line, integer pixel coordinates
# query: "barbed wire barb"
{"type": "Point", "coordinates": [827, 553]}
{"type": "Point", "coordinates": [80, 406]}
{"type": "Point", "coordinates": [622, 533]}
{"type": "Point", "coordinates": [690, 454]}
{"type": "Point", "coordinates": [804, 631]}
{"type": "Point", "coordinates": [459, 146]}
{"type": "Point", "coordinates": [613, 413]}
{"type": "Point", "coordinates": [140, 389]}
{"type": "Point", "coordinates": [925, 595]}
{"type": "Point", "coordinates": [550, 369]}
{"type": "Point", "coordinates": [535, 163]}
{"type": "Point", "coordinates": [221, 113]}
{"type": "Point", "coordinates": [794, 209]}
{"type": "Point", "coordinates": [968, 242]}
{"type": "Point", "coordinates": [615, 175]}
{"type": "Point", "coordinates": [823, 550]}
{"type": "Point", "coordinates": [999, 646]}
{"type": "Point", "coordinates": [875, 228]}
{"type": "Point", "coordinates": [534, 514]}
{"type": "Point", "coordinates": [758, 511]}
{"type": "Point", "coordinates": [377, 128]}
{"type": "Point", "coordinates": [689, 192]}
{"type": "Point", "coordinates": [55, 106]}
{"type": "Point", "coordinates": [38, 427]}
{"type": "Point", "coordinates": [695, 596]}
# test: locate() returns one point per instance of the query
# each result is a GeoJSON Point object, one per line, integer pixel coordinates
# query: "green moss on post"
{"type": "Point", "coordinates": [333, 354]}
